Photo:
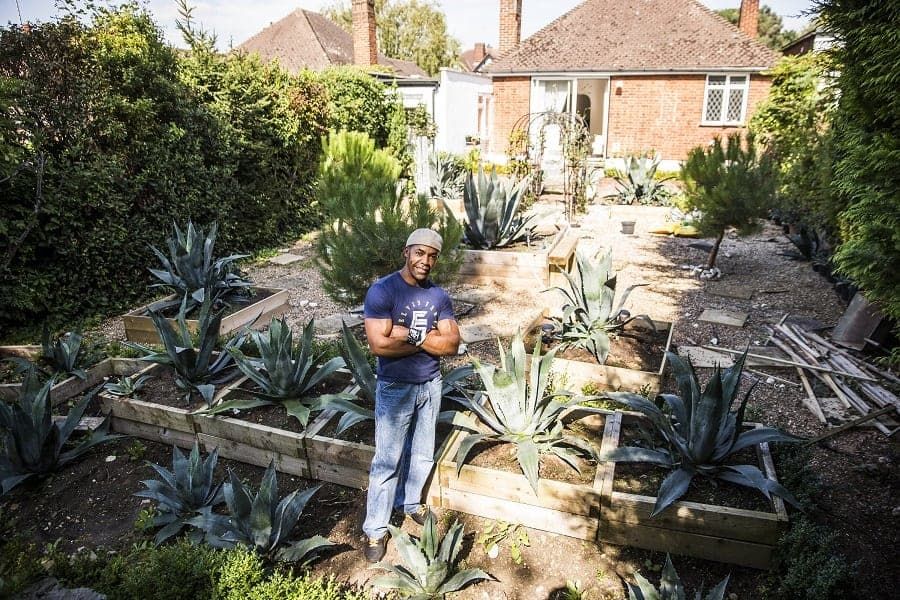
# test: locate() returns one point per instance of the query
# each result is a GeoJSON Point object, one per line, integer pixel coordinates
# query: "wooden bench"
{"type": "Point", "coordinates": [562, 258]}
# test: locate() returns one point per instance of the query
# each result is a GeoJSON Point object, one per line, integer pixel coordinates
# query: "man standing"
{"type": "Point", "coordinates": [410, 325]}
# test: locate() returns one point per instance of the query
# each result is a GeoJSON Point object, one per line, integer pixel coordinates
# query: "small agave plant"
{"type": "Point", "coordinates": [701, 433]}
{"type": "Point", "coordinates": [428, 563]}
{"type": "Point", "coordinates": [520, 410]}
{"type": "Point", "coordinates": [589, 318]}
{"type": "Point", "coordinates": [193, 271]}
{"type": "Point", "coordinates": [493, 219]}
{"type": "Point", "coordinates": [288, 377]}
{"type": "Point", "coordinates": [197, 368]}
{"type": "Point", "coordinates": [129, 386]}
{"type": "Point", "coordinates": [31, 443]}
{"type": "Point", "coordinates": [62, 353]}
{"type": "Point", "coordinates": [640, 183]}
{"type": "Point", "coordinates": [261, 521]}
{"type": "Point", "coordinates": [183, 492]}
{"type": "Point", "coordinates": [670, 587]}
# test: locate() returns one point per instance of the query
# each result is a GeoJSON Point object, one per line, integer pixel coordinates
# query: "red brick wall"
{"type": "Point", "coordinates": [510, 25]}
{"type": "Point", "coordinates": [663, 112]}
{"type": "Point", "coordinates": [365, 46]}
{"type": "Point", "coordinates": [511, 103]}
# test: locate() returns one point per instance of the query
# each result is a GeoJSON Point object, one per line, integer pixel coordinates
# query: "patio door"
{"type": "Point", "coordinates": [550, 95]}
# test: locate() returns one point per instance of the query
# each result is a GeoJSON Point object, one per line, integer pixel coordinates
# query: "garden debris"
{"type": "Point", "coordinates": [857, 384]}
{"type": "Point", "coordinates": [86, 424]}
{"type": "Point", "coordinates": [858, 324]}
{"type": "Point", "coordinates": [702, 357]}
{"type": "Point", "coordinates": [475, 296]}
{"type": "Point", "coordinates": [50, 588]}
{"type": "Point", "coordinates": [285, 259]}
{"type": "Point", "coordinates": [724, 317]}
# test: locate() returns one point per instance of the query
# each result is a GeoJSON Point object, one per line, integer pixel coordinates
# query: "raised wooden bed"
{"type": "Point", "coordinates": [533, 269]}
{"type": "Point", "coordinates": [150, 420]}
{"type": "Point", "coordinates": [139, 326]}
{"type": "Point", "coordinates": [70, 386]}
{"type": "Point", "coordinates": [558, 507]}
{"type": "Point", "coordinates": [739, 536]}
{"type": "Point", "coordinates": [578, 373]}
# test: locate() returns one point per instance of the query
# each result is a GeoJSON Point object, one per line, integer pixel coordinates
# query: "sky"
{"type": "Point", "coordinates": [470, 21]}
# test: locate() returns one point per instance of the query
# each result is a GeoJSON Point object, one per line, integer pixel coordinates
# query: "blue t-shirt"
{"type": "Point", "coordinates": [412, 306]}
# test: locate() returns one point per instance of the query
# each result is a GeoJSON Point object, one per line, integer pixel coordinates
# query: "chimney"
{"type": "Point", "coordinates": [749, 18]}
{"type": "Point", "coordinates": [510, 25]}
{"type": "Point", "coordinates": [365, 46]}
{"type": "Point", "coordinates": [479, 54]}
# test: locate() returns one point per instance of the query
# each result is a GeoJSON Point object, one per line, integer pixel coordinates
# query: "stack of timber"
{"type": "Point", "coordinates": [859, 386]}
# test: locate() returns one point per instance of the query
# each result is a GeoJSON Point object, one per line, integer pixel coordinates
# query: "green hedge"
{"type": "Point", "coordinates": [867, 145]}
{"type": "Point", "coordinates": [134, 135]}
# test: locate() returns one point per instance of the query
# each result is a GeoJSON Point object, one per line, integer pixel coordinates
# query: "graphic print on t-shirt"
{"type": "Point", "coordinates": [420, 315]}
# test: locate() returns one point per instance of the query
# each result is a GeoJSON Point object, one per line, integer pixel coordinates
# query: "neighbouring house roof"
{"type": "Point", "coordinates": [309, 40]}
{"type": "Point", "coordinates": [470, 62]}
{"type": "Point", "coordinates": [636, 35]}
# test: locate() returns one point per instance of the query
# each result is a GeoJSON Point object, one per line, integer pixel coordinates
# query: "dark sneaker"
{"type": "Point", "coordinates": [375, 549]}
{"type": "Point", "coordinates": [420, 514]}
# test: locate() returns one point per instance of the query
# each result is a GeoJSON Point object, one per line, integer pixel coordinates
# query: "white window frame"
{"type": "Point", "coordinates": [727, 87]}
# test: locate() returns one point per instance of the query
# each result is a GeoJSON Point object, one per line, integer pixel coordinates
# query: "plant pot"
{"type": "Point", "coordinates": [628, 227]}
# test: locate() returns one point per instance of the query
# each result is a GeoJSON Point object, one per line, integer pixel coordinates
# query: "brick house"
{"type": "Point", "coordinates": [661, 75]}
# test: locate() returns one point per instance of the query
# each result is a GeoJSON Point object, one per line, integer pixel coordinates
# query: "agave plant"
{"type": "Point", "coordinates": [197, 369]}
{"type": "Point", "coordinates": [701, 434]}
{"type": "Point", "coordinates": [31, 443]}
{"type": "Point", "coordinates": [129, 386]}
{"type": "Point", "coordinates": [640, 183]}
{"type": "Point", "coordinates": [670, 587]}
{"type": "Point", "coordinates": [589, 318]}
{"type": "Point", "coordinates": [447, 177]}
{"type": "Point", "coordinates": [62, 353]}
{"type": "Point", "coordinates": [260, 521]}
{"type": "Point", "coordinates": [520, 410]}
{"type": "Point", "coordinates": [492, 211]}
{"type": "Point", "coordinates": [428, 563]}
{"type": "Point", "coordinates": [192, 271]}
{"type": "Point", "coordinates": [182, 492]}
{"type": "Point", "coordinates": [284, 375]}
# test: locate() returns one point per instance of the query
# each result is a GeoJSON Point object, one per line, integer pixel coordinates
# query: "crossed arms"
{"type": "Point", "coordinates": [389, 340]}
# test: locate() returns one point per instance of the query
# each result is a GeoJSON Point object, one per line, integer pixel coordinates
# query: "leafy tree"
{"type": "Point", "coordinates": [731, 186]}
{"type": "Point", "coordinates": [368, 220]}
{"type": "Point", "coordinates": [793, 123]}
{"type": "Point", "coordinates": [413, 30]}
{"type": "Point", "coordinates": [770, 28]}
{"type": "Point", "coordinates": [867, 145]}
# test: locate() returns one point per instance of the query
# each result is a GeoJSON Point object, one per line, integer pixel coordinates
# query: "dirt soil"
{"type": "Point", "coordinates": [90, 504]}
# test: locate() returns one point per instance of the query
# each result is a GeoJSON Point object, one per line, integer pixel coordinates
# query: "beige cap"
{"type": "Point", "coordinates": [425, 237]}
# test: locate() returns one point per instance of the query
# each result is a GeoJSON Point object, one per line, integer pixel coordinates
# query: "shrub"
{"type": "Point", "coordinates": [793, 125]}
{"type": "Point", "coordinates": [731, 186]}
{"type": "Point", "coordinates": [368, 220]}
{"type": "Point", "coordinates": [867, 145]}
{"type": "Point", "coordinates": [121, 135]}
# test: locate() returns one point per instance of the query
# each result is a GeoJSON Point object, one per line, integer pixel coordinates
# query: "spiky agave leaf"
{"type": "Point", "coordinates": [520, 410]}
{"type": "Point", "coordinates": [701, 433]}
{"type": "Point", "coordinates": [670, 587]}
{"type": "Point", "coordinates": [492, 211]}
{"type": "Point", "coordinates": [261, 521]}
{"type": "Point", "coordinates": [427, 564]}
{"type": "Point", "coordinates": [183, 492]}
{"type": "Point", "coordinates": [588, 317]}
{"type": "Point", "coordinates": [192, 271]}
{"type": "Point", "coordinates": [31, 444]}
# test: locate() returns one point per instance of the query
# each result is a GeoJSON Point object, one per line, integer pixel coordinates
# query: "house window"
{"type": "Point", "coordinates": [725, 99]}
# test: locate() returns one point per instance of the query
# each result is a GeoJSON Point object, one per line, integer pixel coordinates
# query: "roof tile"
{"type": "Point", "coordinates": [636, 35]}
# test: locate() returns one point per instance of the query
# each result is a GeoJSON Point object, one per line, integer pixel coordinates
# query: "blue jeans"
{"type": "Point", "coordinates": [405, 420]}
